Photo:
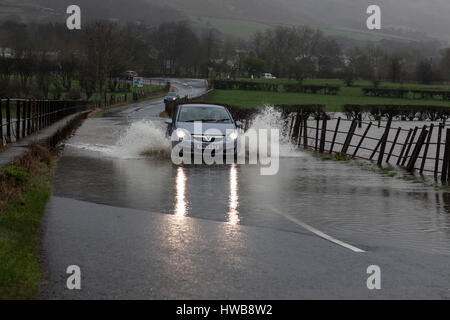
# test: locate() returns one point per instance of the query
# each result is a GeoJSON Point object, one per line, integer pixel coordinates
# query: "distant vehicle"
{"type": "Point", "coordinates": [171, 97]}
{"type": "Point", "coordinates": [214, 118]}
{"type": "Point", "coordinates": [131, 74]}
{"type": "Point", "coordinates": [268, 76]}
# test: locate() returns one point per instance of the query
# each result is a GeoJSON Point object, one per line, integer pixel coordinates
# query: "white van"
{"type": "Point", "coordinates": [268, 76]}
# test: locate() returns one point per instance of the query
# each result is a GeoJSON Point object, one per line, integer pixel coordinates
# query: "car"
{"type": "Point", "coordinates": [268, 76]}
{"type": "Point", "coordinates": [130, 74]}
{"type": "Point", "coordinates": [219, 131]}
{"type": "Point", "coordinates": [171, 97]}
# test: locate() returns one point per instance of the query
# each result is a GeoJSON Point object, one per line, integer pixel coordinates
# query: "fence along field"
{"type": "Point", "coordinates": [384, 136]}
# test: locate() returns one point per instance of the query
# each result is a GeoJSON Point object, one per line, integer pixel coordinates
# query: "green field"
{"type": "Point", "coordinates": [356, 84]}
{"type": "Point", "coordinates": [347, 95]}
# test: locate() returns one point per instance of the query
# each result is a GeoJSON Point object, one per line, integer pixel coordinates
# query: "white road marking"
{"type": "Point", "coordinates": [315, 231]}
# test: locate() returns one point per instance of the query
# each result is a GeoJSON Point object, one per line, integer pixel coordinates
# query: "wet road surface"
{"type": "Point", "coordinates": [141, 227]}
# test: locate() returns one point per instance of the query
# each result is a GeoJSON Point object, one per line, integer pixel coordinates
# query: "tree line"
{"type": "Point", "coordinates": [47, 60]}
{"type": "Point", "coordinates": [301, 52]}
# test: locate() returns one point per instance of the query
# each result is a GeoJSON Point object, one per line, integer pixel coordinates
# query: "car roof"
{"type": "Point", "coordinates": [202, 105]}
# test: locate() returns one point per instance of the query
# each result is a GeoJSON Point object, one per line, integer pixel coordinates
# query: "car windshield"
{"type": "Point", "coordinates": [172, 94]}
{"type": "Point", "coordinates": [205, 114]}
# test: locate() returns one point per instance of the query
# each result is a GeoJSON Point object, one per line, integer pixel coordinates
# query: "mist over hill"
{"type": "Point", "coordinates": [431, 17]}
{"type": "Point", "coordinates": [121, 10]}
{"type": "Point", "coordinates": [427, 16]}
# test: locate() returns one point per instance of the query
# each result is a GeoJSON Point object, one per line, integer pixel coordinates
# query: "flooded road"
{"type": "Point", "coordinates": [120, 159]}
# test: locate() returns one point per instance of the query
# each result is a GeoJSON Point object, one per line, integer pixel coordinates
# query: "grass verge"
{"type": "Point", "coordinates": [25, 188]}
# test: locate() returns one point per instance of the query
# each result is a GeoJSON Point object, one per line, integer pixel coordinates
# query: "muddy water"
{"type": "Point", "coordinates": [121, 159]}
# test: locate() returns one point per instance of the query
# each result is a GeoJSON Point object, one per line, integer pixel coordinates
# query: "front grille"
{"type": "Point", "coordinates": [201, 138]}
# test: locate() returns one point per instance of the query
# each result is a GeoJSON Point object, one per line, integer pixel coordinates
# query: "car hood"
{"type": "Point", "coordinates": [222, 127]}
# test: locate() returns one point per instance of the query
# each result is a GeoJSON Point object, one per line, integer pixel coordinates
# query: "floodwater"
{"type": "Point", "coordinates": [121, 159]}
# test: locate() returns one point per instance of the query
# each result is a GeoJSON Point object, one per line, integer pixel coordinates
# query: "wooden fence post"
{"type": "Point", "coordinates": [376, 148]}
{"type": "Point", "coordinates": [411, 142]}
{"type": "Point", "coordinates": [438, 150]}
{"type": "Point", "coordinates": [417, 149]}
{"type": "Point", "coordinates": [317, 133]}
{"type": "Point", "coordinates": [305, 132]}
{"type": "Point", "coordinates": [296, 125]}
{"type": "Point", "coordinates": [444, 172]}
{"type": "Point", "coordinates": [300, 130]}
{"type": "Point", "coordinates": [427, 145]}
{"type": "Point", "coordinates": [384, 139]}
{"type": "Point", "coordinates": [349, 137]}
{"type": "Point", "coordinates": [362, 139]}
{"type": "Point", "coordinates": [399, 129]}
{"type": "Point", "coordinates": [405, 143]}
{"type": "Point", "coordinates": [291, 126]}
{"type": "Point", "coordinates": [323, 134]}
{"type": "Point", "coordinates": [335, 134]}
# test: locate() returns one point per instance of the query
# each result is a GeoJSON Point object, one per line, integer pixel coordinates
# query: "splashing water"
{"type": "Point", "coordinates": [146, 138]}
{"type": "Point", "coordinates": [270, 118]}
{"type": "Point", "coordinates": [141, 139]}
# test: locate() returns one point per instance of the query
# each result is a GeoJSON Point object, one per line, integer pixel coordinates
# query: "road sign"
{"type": "Point", "coordinates": [138, 82]}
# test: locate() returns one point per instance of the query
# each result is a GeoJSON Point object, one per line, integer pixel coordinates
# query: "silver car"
{"type": "Point", "coordinates": [200, 127]}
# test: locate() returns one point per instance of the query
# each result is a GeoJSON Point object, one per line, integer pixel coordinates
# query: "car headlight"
{"type": "Point", "coordinates": [233, 135]}
{"type": "Point", "coordinates": [181, 134]}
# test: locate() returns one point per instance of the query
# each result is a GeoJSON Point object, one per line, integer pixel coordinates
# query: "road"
{"type": "Point", "coordinates": [140, 227]}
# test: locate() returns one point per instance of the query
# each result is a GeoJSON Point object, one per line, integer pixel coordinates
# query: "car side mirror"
{"type": "Point", "coordinates": [168, 122]}
{"type": "Point", "coordinates": [238, 124]}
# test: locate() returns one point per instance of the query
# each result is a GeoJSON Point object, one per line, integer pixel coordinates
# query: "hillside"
{"type": "Point", "coordinates": [55, 10]}
{"type": "Point", "coordinates": [345, 18]}
{"type": "Point", "coordinates": [425, 16]}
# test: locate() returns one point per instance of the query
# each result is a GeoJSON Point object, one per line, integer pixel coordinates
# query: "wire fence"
{"type": "Point", "coordinates": [415, 146]}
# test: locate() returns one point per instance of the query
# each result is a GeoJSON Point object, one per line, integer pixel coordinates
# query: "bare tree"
{"type": "Point", "coordinates": [103, 52]}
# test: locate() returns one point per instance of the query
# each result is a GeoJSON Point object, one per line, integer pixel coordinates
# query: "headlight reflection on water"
{"type": "Point", "coordinates": [181, 203]}
{"type": "Point", "coordinates": [233, 214]}
{"type": "Point", "coordinates": [180, 198]}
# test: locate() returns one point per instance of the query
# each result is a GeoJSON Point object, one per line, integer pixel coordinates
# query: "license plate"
{"type": "Point", "coordinates": [208, 147]}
